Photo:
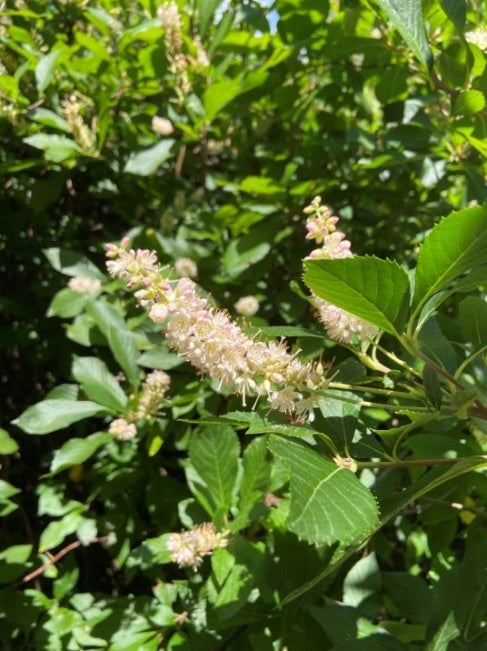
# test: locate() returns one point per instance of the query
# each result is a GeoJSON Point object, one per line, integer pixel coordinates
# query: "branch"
{"type": "Point", "coordinates": [54, 559]}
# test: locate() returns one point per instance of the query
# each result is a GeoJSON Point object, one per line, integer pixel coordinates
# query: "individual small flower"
{"type": "Point", "coordinates": [152, 395]}
{"type": "Point", "coordinates": [188, 548]}
{"type": "Point", "coordinates": [84, 285]}
{"type": "Point", "coordinates": [186, 268]}
{"type": "Point", "coordinates": [162, 126]}
{"type": "Point", "coordinates": [285, 399]}
{"type": "Point", "coordinates": [122, 430]}
{"type": "Point", "coordinates": [247, 305]}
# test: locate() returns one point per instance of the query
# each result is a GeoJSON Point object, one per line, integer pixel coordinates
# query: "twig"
{"type": "Point", "coordinates": [54, 559]}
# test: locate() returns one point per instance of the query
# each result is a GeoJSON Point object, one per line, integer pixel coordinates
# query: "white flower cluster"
{"type": "Point", "coordinates": [190, 547]}
{"type": "Point", "coordinates": [213, 343]}
{"type": "Point", "coordinates": [122, 430]}
{"type": "Point", "coordinates": [84, 285]}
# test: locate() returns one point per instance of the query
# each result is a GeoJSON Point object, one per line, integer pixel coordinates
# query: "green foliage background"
{"type": "Point", "coordinates": [379, 107]}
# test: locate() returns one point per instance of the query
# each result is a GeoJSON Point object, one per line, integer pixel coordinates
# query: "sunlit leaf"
{"type": "Point", "coordinates": [328, 502]}
{"type": "Point", "coordinates": [456, 246]}
{"type": "Point", "coordinates": [50, 415]}
{"type": "Point", "coordinates": [373, 289]}
{"type": "Point", "coordinates": [77, 451]}
{"type": "Point", "coordinates": [148, 161]}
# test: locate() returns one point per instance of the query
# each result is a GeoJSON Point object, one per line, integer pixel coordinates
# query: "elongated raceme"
{"type": "Point", "coordinates": [212, 342]}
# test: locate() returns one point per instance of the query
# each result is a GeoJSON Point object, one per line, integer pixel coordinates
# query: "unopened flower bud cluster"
{"type": "Point", "coordinates": [151, 399]}
{"type": "Point", "coordinates": [179, 62]}
{"type": "Point", "coordinates": [72, 113]}
{"type": "Point", "coordinates": [190, 547]}
{"type": "Point", "coordinates": [340, 325]}
{"type": "Point", "coordinates": [122, 430]}
{"type": "Point", "coordinates": [247, 306]}
{"type": "Point", "coordinates": [153, 393]}
{"type": "Point", "coordinates": [162, 126]}
{"type": "Point", "coordinates": [212, 342]}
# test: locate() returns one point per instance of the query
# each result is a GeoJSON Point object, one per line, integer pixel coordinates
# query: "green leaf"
{"type": "Point", "coordinates": [221, 93]}
{"type": "Point", "coordinates": [362, 581]}
{"type": "Point", "coordinates": [98, 383]}
{"type": "Point", "coordinates": [206, 11]}
{"type": "Point", "coordinates": [260, 185]}
{"type": "Point", "coordinates": [328, 503]}
{"type": "Point", "coordinates": [14, 562]}
{"type": "Point", "coordinates": [467, 580]}
{"type": "Point", "coordinates": [244, 252]}
{"type": "Point", "coordinates": [468, 102]}
{"type": "Point", "coordinates": [16, 554]}
{"type": "Point", "coordinates": [48, 118]}
{"type": "Point", "coordinates": [254, 482]}
{"type": "Point", "coordinates": [6, 492]}
{"type": "Point", "coordinates": [394, 505]}
{"type": "Point", "coordinates": [56, 531]}
{"type": "Point", "coordinates": [160, 358]}
{"type": "Point", "coordinates": [64, 391]}
{"type": "Point", "coordinates": [55, 148]}
{"type": "Point", "coordinates": [7, 444]}
{"type": "Point", "coordinates": [407, 18]}
{"type": "Point", "coordinates": [436, 346]}
{"type": "Point", "coordinates": [456, 246]}
{"type": "Point", "coordinates": [472, 314]}
{"type": "Point", "coordinates": [447, 632]}
{"type": "Point", "coordinates": [410, 594]}
{"type": "Point", "coordinates": [213, 455]}
{"type": "Point", "coordinates": [373, 289]}
{"type": "Point", "coordinates": [152, 551]}
{"type": "Point", "coordinates": [270, 424]}
{"type": "Point", "coordinates": [50, 415]}
{"type": "Point", "coordinates": [456, 10]}
{"type": "Point", "coordinates": [67, 303]}
{"type": "Point", "coordinates": [432, 387]}
{"type": "Point", "coordinates": [146, 31]}
{"type": "Point", "coordinates": [121, 341]}
{"type": "Point", "coordinates": [72, 264]}
{"type": "Point", "coordinates": [45, 70]}
{"type": "Point", "coordinates": [147, 161]}
{"type": "Point", "coordinates": [340, 416]}
{"type": "Point", "coordinates": [76, 451]}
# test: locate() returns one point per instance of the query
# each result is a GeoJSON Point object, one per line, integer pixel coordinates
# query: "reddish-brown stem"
{"type": "Point", "coordinates": [56, 557]}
